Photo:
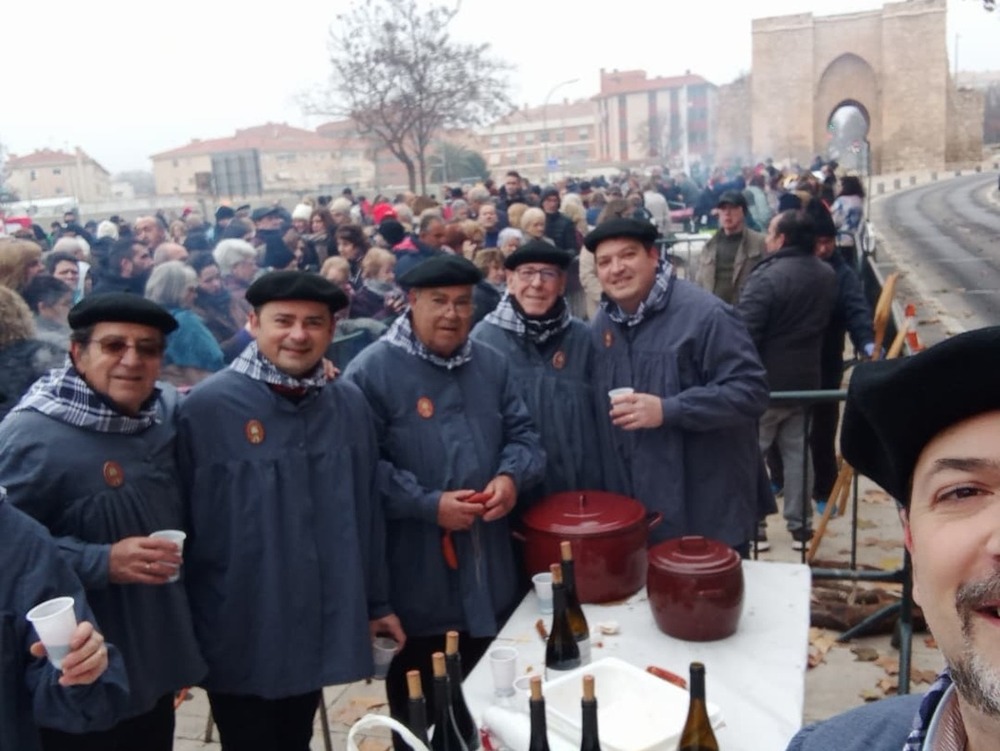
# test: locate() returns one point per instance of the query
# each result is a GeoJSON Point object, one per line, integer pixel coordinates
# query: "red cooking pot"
{"type": "Point", "coordinates": [608, 533]}
{"type": "Point", "coordinates": [695, 588]}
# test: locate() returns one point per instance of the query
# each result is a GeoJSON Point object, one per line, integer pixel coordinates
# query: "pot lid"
{"type": "Point", "coordinates": [582, 513]}
{"type": "Point", "coordinates": [694, 555]}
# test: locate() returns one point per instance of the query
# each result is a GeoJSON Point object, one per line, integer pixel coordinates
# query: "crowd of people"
{"type": "Point", "coordinates": [321, 397]}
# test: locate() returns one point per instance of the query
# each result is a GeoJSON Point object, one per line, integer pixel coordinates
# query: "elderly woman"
{"type": "Point", "coordinates": [23, 358]}
{"type": "Point", "coordinates": [237, 260]}
{"type": "Point", "coordinates": [379, 297]}
{"type": "Point", "coordinates": [20, 260]}
{"type": "Point", "coordinates": [510, 239]}
{"type": "Point", "coordinates": [192, 354]}
{"type": "Point", "coordinates": [533, 225]}
{"type": "Point", "coordinates": [551, 358]}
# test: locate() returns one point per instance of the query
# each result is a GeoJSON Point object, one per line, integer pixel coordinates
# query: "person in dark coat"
{"type": "Point", "coordinates": [459, 447]}
{"type": "Point", "coordinates": [23, 357]}
{"type": "Point", "coordinates": [89, 453]}
{"type": "Point", "coordinates": [940, 463]}
{"type": "Point", "coordinates": [786, 305]}
{"type": "Point", "coordinates": [90, 690]}
{"type": "Point", "coordinates": [699, 389]}
{"type": "Point", "coordinates": [558, 227]}
{"type": "Point", "coordinates": [551, 357]}
{"type": "Point", "coordinates": [414, 249]}
{"type": "Point", "coordinates": [290, 603]}
{"type": "Point", "coordinates": [129, 264]}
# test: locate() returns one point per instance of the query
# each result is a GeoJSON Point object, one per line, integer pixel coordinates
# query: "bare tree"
{"type": "Point", "coordinates": [402, 79]}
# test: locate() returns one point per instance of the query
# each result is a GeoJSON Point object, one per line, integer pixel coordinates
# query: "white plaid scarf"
{"type": "Point", "coordinates": [510, 316]}
{"type": "Point", "coordinates": [922, 722]}
{"type": "Point", "coordinates": [655, 300]}
{"type": "Point", "coordinates": [401, 335]}
{"type": "Point", "coordinates": [63, 395]}
{"type": "Point", "coordinates": [253, 364]}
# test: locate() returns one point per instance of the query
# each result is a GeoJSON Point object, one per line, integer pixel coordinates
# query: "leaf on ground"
{"type": "Point", "coordinates": [889, 664]}
{"type": "Point", "coordinates": [923, 676]}
{"type": "Point", "coordinates": [888, 686]}
{"type": "Point", "coordinates": [357, 708]}
{"type": "Point", "coordinates": [864, 654]}
{"type": "Point", "coordinates": [871, 694]}
{"type": "Point", "coordinates": [821, 641]}
{"type": "Point", "coordinates": [866, 524]}
{"type": "Point", "coordinates": [875, 496]}
{"type": "Point", "coordinates": [881, 542]}
{"type": "Point", "coordinates": [930, 643]}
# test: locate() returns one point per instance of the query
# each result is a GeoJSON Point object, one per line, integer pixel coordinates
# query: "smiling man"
{"type": "Point", "coordinates": [551, 357]}
{"type": "Point", "coordinates": [942, 464]}
{"type": "Point", "coordinates": [688, 435]}
{"type": "Point", "coordinates": [462, 447]}
{"type": "Point", "coordinates": [89, 453]}
{"type": "Point", "coordinates": [269, 447]}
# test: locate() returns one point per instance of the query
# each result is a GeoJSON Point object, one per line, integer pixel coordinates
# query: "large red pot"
{"type": "Point", "coordinates": [695, 588]}
{"type": "Point", "coordinates": [608, 533]}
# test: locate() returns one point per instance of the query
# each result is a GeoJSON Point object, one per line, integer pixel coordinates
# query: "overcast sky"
{"type": "Point", "coordinates": [123, 84]}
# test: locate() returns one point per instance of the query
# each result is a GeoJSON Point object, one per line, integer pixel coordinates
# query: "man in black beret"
{"type": "Point", "coordinates": [927, 429]}
{"type": "Point", "coordinates": [460, 447]}
{"type": "Point", "coordinates": [699, 388]}
{"type": "Point", "coordinates": [89, 452]}
{"type": "Point", "coordinates": [726, 260]}
{"type": "Point", "coordinates": [289, 459]}
{"type": "Point", "coordinates": [552, 357]}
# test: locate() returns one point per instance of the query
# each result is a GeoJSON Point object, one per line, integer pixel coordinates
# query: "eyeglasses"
{"type": "Point", "coordinates": [116, 346]}
{"type": "Point", "coordinates": [528, 275]}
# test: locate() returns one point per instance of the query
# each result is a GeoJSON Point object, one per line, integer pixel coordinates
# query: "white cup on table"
{"type": "Point", "coordinates": [543, 590]}
{"type": "Point", "coordinates": [503, 666]}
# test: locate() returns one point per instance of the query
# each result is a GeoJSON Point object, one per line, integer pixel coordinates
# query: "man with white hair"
{"type": "Point", "coordinates": [169, 252]}
{"type": "Point", "coordinates": [149, 232]}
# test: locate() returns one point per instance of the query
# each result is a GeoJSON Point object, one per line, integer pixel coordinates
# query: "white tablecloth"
{"type": "Point", "coordinates": [756, 676]}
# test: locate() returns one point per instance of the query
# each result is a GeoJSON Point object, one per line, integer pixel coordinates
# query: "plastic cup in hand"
{"type": "Point", "coordinates": [54, 622]}
{"type": "Point", "coordinates": [615, 394]}
{"type": "Point", "coordinates": [503, 666]}
{"type": "Point", "coordinates": [543, 591]}
{"type": "Point", "coordinates": [383, 650]}
{"type": "Point", "coordinates": [177, 537]}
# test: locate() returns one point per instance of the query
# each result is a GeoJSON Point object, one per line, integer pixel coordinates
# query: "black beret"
{"type": "Point", "coordinates": [443, 270]}
{"type": "Point", "coordinates": [243, 207]}
{"type": "Point", "coordinates": [538, 251]}
{"type": "Point", "coordinates": [265, 211]}
{"type": "Point", "coordinates": [895, 407]}
{"type": "Point", "coordinates": [732, 198]}
{"type": "Point", "coordinates": [392, 231]}
{"type": "Point", "coordinates": [642, 231]}
{"type": "Point", "coordinates": [296, 285]}
{"type": "Point", "coordinates": [225, 212]}
{"type": "Point", "coordinates": [120, 307]}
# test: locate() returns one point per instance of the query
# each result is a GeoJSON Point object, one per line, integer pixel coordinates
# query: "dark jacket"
{"type": "Point", "coordinates": [135, 285]}
{"type": "Point", "coordinates": [852, 315]}
{"type": "Point", "coordinates": [411, 252]}
{"type": "Point", "coordinates": [21, 364]}
{"type": "Point", "coordinates": [560, 230]}
{"type": "Point", "coordinates": [786, 306]}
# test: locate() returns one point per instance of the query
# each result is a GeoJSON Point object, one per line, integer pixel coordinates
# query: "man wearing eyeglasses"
{"type": "Point", "coordinates": [89, 452]}
{"type": "Point", "coordinates": [462, 447]}
{"type": "Point", "coordinates": [551, 357]}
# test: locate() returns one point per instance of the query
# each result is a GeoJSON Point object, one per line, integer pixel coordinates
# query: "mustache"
{"type": "Point", "coordinates": [974, 595]}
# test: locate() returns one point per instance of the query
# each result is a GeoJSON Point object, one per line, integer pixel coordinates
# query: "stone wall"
{"type": "Point", "coordinates": [734, 122]}
{"type": "Point", "coordinates": [965, 126]}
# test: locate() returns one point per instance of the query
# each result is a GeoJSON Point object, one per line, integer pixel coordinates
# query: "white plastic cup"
{"type": "Point", "coordinates": [383, 650]}
{"type": "Point", "coordinates": [503, 666]}
{"type": "Point", "coordinates": [54, 621]}
{"type": "Point", "coordinates": [522, 692]}
{"type": "Point", "coordinates": [614, 394]}
{"type": "Point", "coordinates": [543, 591]}
{"type": "Point", "coordinates": [177, 537]}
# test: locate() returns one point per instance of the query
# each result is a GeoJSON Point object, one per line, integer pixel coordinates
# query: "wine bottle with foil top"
{"type": "Point", "coordinates": [577, 620]}
{"type": "Point", "coordinates": [562, 653]}
{"type": "Point", "coordinates": [697, 734]}
{"type": "Point", "coordinates": [536, 707]}
{"type": "Point", "coordinates": [446, 736]}
{"type": "Point", "coordinates": [463, 717]}
{"type": "Point", "coordinates": [417, 716]}
{"type": "Point", "coordinates": [589, 740]}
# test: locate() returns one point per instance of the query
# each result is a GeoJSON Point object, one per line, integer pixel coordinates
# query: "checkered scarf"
{"type": "Point", "coordinates": [655, 300]}
{"type": "Point", "coordinates": [928, 706]}
{"type": "Point", "coordinates": [401, 335]}
{"type": "Point", "coordinates": [253, 364]}
{"type": "Point", "coordinates": [63, 395]}
{"type": "Point", "coordinates": [510, 316]}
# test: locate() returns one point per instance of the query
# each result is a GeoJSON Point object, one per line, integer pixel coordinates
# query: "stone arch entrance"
{"type": "Point", "coordinates": [849, 86]}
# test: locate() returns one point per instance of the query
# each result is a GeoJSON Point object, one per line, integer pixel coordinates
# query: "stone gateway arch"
{"type": "Point", "coordinates": [817, 83]}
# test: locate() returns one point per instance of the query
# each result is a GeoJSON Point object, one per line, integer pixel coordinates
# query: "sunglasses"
{"type": "Point", "coordinates": [116, 346]}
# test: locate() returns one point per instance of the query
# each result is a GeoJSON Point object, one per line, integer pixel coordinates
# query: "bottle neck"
{"type": "Point", "coordinates": [569, 578]}
{"type": "Point", "coordinates": [697, 685]}
{"type": "Point", "coordinates": [589, 719]}
{"type": "Point", "coordinates": [442, 696]}
{"type": "Point", "coordinates": [537, 711]}
{"type": "Point", "coordinates": [558, 598]}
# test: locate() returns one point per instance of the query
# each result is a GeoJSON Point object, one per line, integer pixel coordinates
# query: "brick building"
{"type": "Point", "coordinates": [51, 173]}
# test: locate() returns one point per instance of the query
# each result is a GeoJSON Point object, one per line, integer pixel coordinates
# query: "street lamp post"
{"type": "Point", "coordinates": [545, 123]}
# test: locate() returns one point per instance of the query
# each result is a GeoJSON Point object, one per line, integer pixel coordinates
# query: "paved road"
{"type": "Point", "coordinates": [945, 238]}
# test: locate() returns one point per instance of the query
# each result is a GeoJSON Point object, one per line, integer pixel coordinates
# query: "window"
{"type": "Point", "coordinates": [512, 139]}
{"type": "Point", "coordinates": [529, 138]}
{"type": "Point", "coordinates": [176, 162]}
{"type": "Point", "coordinates": [583, 134]}
{"type": "Point", "coordinates": [56, 171]}
{"type": "Point", "coordinates": [512, 157]}
{"type": "Point", "coordinates": [495, 141]}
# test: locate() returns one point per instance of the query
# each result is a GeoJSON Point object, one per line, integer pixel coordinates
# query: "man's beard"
{"type": "Point", "coordinates": [976, 679]}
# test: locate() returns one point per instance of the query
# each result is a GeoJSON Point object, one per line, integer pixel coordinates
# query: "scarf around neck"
{"type": "Point", "coordinates": [254, 365]}
{"type": "Point", "coordinates": [510, 316]}
{"type": "Point", "coordinates": [63, 395]}
{"type": "Point", "coordinates": [655, 301]}
{"type": "Point", "coordinates": [928, 707]}
{"type": "Point", "coordinates": [401, 335]}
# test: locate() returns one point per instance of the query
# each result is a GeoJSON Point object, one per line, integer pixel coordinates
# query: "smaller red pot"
{"type": "Point", "coordinates": [695, 588]}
